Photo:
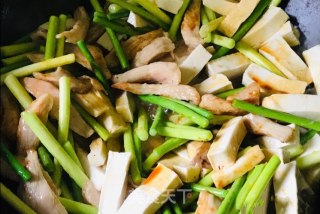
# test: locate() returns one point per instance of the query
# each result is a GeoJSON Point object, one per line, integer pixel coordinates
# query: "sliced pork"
{"type": "Point", "coordinates": [263, 126]}
{"type": "Point", "coordinates": [37, 192]}
{"type": "Point", "coordinates": [158, 48]}
{"type": "Point", "coordinates": [26, 139]}
{"type": "Point", "coordinates": [79, 29]}
{"type": "Point", "coordinates": [39, 87]}
{"type": "Point", "coordinates": [180, 92]}
{"type": "Point", "coordinates": [157, 72]}
{"type": "Point", "coordinates": [191, 24]}
{"type": "Point", "coordinates": [218, 106]}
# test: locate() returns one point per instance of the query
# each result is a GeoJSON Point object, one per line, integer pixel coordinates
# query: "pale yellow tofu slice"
{"type": "Point", "coordinates": [271, 22]}
{"type": "Point", "coordinates": [152, 193]}
{"type": "Point", "coordinates": [223, 7]}
{"type": "Point", "coordinates": [194, 63]}
{"type": "Point", "coordinates": [289, 33]}
{"type": "Point", "coordinates": [312, 57]}
{"type": "Point", "coordinates": [185, 169]}
{"type": "Point", "coordinates": [287, 60]}
{"type": "Point", "coordinates": [244, 164]}
{"type": "Point", "coordinates": [237, 16]}
{"type": "Point", "coordinates": [224, 148]}
{"type": "Point", "coordinates": [271, 83]}
{"type": "Point", "coordinates": [115, 182]}
{"type": "Point", "coordinates": [171, 6]}
{"type": "Point", "coordinates": [214, 84]}
{"type": "Point", "coordinates": [286, 188]}
{"type": "Point", "coordinates": [98, 152]}
{"type": "Point", "coordinates": [304, 105]}
{"type": "Point", "coordinates": [125, 106]}
{"type": "Point", "coordinates": [232, 65]}
{"type": "Point", "coordinates": [136, 21]}
{"type": "Point", "coordinates": [207, 203]}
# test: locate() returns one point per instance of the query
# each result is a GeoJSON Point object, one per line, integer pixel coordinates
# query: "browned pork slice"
{"type": "Point", "coordinates": [136, 43]}
{"type": "Point", "coordinates": [263, 126]}
{"type": "Point", "coordinates": [90, 194]}
{"type": "Point", "coordinates": [218, 106]}
{"type": "Point", "coordinates": [157, 72]}
{"type": "Point", "coordinates": [10, 114]}
{"type": "Point", "coordinates": [37, 192]}
{"type": "Point", "coordinates": [191, 24]}
{"type": "Point", "coordinates": [39, 87]}
{"type": "Point", "coordinates": [96, 54]}
{"type": "Point", "coordinates": [180, 92]}
{"type": "Point", "coordinates": [250, 94]}
{"type": "Point", "coordinates": [154, 51]}
{"type": "Point", "coordinates": [94, 32]}
{"type": "Point", "coordinates": [77, 85]}
{"type": "Point", "coordinates": [26, 139]}
{"type": "Point", "coordinates": [79, 29]}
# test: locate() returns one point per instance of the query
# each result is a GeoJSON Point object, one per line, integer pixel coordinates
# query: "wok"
{"type": "Point", "coordinates": [19, 17]}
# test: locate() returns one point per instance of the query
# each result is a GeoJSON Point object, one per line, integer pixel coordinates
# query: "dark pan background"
{"type": "Point", "coordinates": [20, 17]}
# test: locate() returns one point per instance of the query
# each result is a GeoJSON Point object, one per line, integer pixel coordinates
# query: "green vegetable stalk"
{"type": "Point", "coordinates": [261, 183]}
{"type": "Point", "coordinates": [101, 131]}
{"type": "Point", "coordinates": [307, 136]}
{"type": "Point", "coordinates": [309, 160]}
{"type": "Point", "coordinates": [137, 146]}
{"type": "Point", "coordinates": [245, 26]}
{"type": "Point", "coordinates": [223, 41]}
{"type": "Point", "coordinates": [15, 59]}
{"type": "Point", "coordinates": [153, 9]}
{"type": "Point", "coordinates": [54, 148]}
{"type": "Point", "coordinates": [175, 25]}
{"type": "Point", "coordinates": [15, 201]}
{"type": "Point", "coordinates": [16, 49]}
{"type": "Point", "coordinates": [141, 12]}
{"type": "Point", "coordinates": [51, 41]}
{"type": "Point", "coordinates": [230, 92]}
{"type": "Point", "coordinates": [257, 58]}
{"type": "Point", "coordinates": [77, 207]}
{"type": "Point", "coordinates": [176, 107]}
{"type": "Point", "coordinates": [64, 109]}
{"type": "Point", "coordinates": [156, 121]}
{"type": "Point", "coordinates": [45, 159]}
{"type": "Point", "coordinates": [277, 115]}
{"type": "Point", "coordinates": [60, 41]}
{"type": "Point", "coordinates": [14, 66]}
{"type": "Point", "coordinates": [228, 201]}
{"type": "Point", "coordinates": [185, 132]}
{"type": "Point", "coordinates": [161, 150]}
{"type": "Point", "coordinates": [41, 66]}
{"type": "Point", "coordinates": [113, 37]}
{"type": "Point", "coordinates": [142, 126]}
{"type": "Point", "coordinates": [96, 69]}
{"type": "Point", "coordinates": [23, 173]}
{"type": "Point", "coordinates": [221, 193]}
{"type": "Point", "coordinates": [129, 147]}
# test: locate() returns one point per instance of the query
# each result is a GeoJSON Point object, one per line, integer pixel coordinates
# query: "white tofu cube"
{"type": "Point", "coordinates": [152, 193]}
{"type": "Point", "coordinates": [171, 6]}
{"type": "Point", "coordinates": [288, 33]}
{"type": "Point", "coordinates": [98, 152]}
{"type": "Point", "coordinates": [286, 188]}
{"type": "Point", "coordinates": [193, 64]}
{"type": "Point", "coordinates": [237, 16]}
{"type": "Point", "coordinates": [105, 42]}
{"type": "Point", "coordinates": [252, 157]}
{"type": "Point", "coordinates": [214, 84]}
{"type": "Point", "coordinates": [224, 148]}
{"type": "Point", "coordinates": [312, 57]}
{"type": "Point", "coordinates": [268, 24]}
{"type": "Point", "coordinates": [232, 65]}
{"type": "Point", "coordinates": [115, 182]}
{"type": "Point", "coordinates": [304, 105]}
{"type": "Point", "coordinates": [281, 55]}
{"type": "Point", "coordinates": [185, 169]}
{"type": "Point", "coordinates": [125, 106]}
{"type": "Point", "coordinates": [136, 20]}
{"type": "Point", "coordinates": [222, 7]}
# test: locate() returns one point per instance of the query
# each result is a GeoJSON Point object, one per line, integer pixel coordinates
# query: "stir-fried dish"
{"type": "Point", "coordinates": [164, 106]}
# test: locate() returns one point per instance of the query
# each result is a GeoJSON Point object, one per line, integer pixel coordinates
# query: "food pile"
{"type": "Point", "coordinates": [163, 106]}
